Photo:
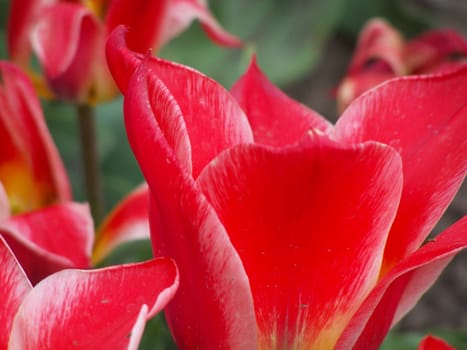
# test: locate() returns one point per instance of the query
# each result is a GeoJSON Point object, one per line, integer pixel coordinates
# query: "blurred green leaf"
{"type": "Point", "coordinates": [288, 38]}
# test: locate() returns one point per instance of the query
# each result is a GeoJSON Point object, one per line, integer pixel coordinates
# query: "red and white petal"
{"type": "Point", "coordinates": [433, 343]}
{"type": "Point", "coordinates": [144, 19]}
{"type": "Point", "coordinates": [50, 239]}
{"type": "Point", "coordinates": [31, 170]}
{"type": "Point", "coordinates": [275, 118]}
{"type": "Point", "coordinates": [424, 118]}
{"type": "Point", "coordinates": [14, 286]}
{"type": "Point", "coordinates": [184, 227]}
{"type": "Point", "coordinates": [93, 309]}
{"type": "Point", "coordinates": [399, 290]}
{"type": "Point", "coordinates": [293, 214]}
{"type": "Point", "coordinates": [65, 39]}
{"type": "Point", "coordinates": [128, 221]}
{"type": "Point", "coordinates": [182, 12]}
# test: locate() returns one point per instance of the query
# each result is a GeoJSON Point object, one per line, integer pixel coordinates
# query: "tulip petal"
{"type": "Point", "coordinates": [433, 343]}
{"type": "Point", "coordinates": [291, 213]}
{"type": "Point", "coordinates": [50, 239]}
{"type": "Point", "coordinates": [424, 118]}
{"type": "Point", "coordinates": [275, 118]}
{"type": "Point", "coordinates": [184, 226]}
{"type": "Point", "coordinates": [183, 12]}
{"type": "Point", "coordinates": [144, 19]}
{"type": "Point", "coordinates": [31, 170]}
{"type": "Point", "coordinates": [94, 309]}
{"type": "Point", "coordinates": [211, 116]}
{"type": "Point", "coordinates": [127, 222]}
{"type": "Point", "coordinates": [65, 39]}
{"type": "Point", "coordinates": [398, 291]}
{"type": "Point", "coordinates": [14, 286]}
{"type": "Point", "coordinates": [379, 56]}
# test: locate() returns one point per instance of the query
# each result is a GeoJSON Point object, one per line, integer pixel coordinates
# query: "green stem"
{"type": "Point", "coordinates": [90, 158]}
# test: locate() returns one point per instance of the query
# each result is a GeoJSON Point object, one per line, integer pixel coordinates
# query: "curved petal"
{"type": "Point", "coordinates": [50, 239]}
{"type": "Point", "coordinates": [275, 118]}
{"type": "Point", "coordinates": [211, 116]}
{"type": "Point", "coordinates": [122, 61]}
{"type": "Point", "coordinates": [65, 39]}
{"type": "Point", "coordinates": [213, 119]}
{"type": "Point", "coordinates": [408, 115]}
{"type": "Point", "coordinates": [185, 227]}
{"type": "Point", "coordinates": [182, 12]}
{"type": "Point", "coordinates": [400, 289]}
{"type": "Point", "coordinates": [128, 221]}
{"type": "Point", "coordinates": [291, 213]}
{"type": "Point", "coordinates": [31, 170]}
{"type": "Point", "coordinates": [144, 18]}
{"type": "Point", "coordinates": [14, 286]}
{"type": "Point", "coordinates": [433, 343]}
{"type": "Point", "coordinates": [94, 309]}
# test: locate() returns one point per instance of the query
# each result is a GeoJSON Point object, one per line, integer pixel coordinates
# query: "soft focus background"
{"type": "Point", "coordinates": [304, 46]}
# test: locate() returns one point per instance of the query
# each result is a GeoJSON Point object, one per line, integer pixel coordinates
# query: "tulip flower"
{"type": "Point", "coordinates": [289, 232]}
{"type": "Point", "coordinates": [37, 218]}
{"type": "Point", "coordinates": [382, 53]}
{"type": "Point", "coordinates": [68, 38]}
{"type": "Point", "coordinates": [433, 343]}
{"type": "Point", "coordinates": [94, 309]}
{"type": "Point", "coordinates": [31, 171]}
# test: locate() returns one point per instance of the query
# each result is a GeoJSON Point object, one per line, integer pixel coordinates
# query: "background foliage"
{"type": "Point", "coordinates": [302, 45]}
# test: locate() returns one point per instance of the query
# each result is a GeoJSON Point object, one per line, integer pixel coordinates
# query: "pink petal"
{"type": "Point", "coordinates": [425, 119]}
{"type": "Point", "coordinates": [400, 289]}
{"type": "Point", "coordinates": [433, 343]}
{"type": "Point", "coordinates": [50, 239]}
{"type": "Point", "coordinates": [183, 12]}
{"type": "Point", "coordinates": [128, 221]}
{"type": "Point", "coordinates": [14, 286]}
{"type": "Point", "coordinates": [275, 118]}
{"type": "Point", "coordinates": [144, 18]}
{"type": "Point", "coordinates": [31, 170]}
{"type": "Point", "coordinates": [184, 226]}
{"type": "Point", "coordinates": [379, 56]}
{"type": "Point", "coordinates": [310, 224]}
{"type": "Point", "coordinates": [93, 309]}
{"type": "Point", "coordinates": [66, 40]}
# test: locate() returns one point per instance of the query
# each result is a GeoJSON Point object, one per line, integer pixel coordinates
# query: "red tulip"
{"type": "Point", "coordinates": [382, 53]}
{"type": "Point", "coordinates": [46, 231]}
{"type": "Point", "coordinates": [433, 343]}
{"type": "Point", "coordinates": [94, 309]}
{"type": "Point", "coordinates": [68, 38]}
{"type": "Point", "coordinates": [290, 232]}
{"type": "Point", "coordinates": [31, 171]}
